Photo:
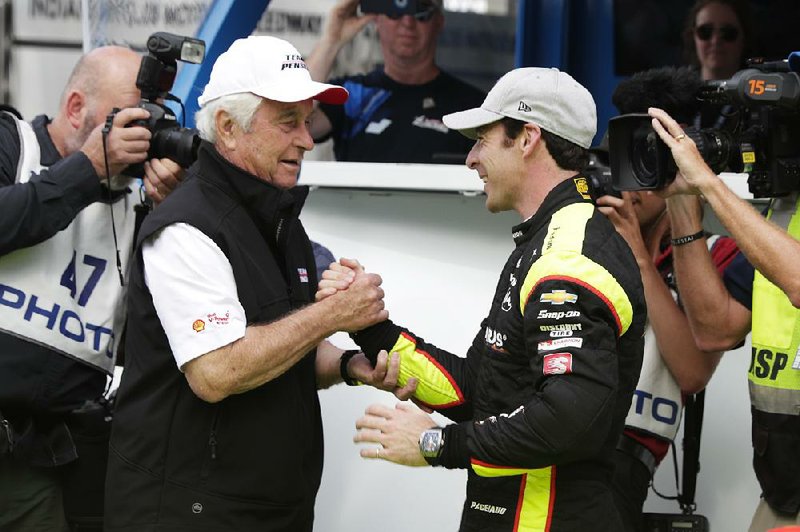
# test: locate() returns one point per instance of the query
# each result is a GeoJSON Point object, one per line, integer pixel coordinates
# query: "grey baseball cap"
{"type": "Point", "coordinates": [544, 96]}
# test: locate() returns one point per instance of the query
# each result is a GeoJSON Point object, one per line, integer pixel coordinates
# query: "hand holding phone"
{"type": "Point", "coordinates": [391, 8]}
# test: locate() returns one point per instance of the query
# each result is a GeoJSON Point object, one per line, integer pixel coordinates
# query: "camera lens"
{"type": "Point", "coordinates": [716, 147]}
{"type": "Point", "coordinates": [644, 162]}
{"type": "Point", "coordinates": [177, 143]}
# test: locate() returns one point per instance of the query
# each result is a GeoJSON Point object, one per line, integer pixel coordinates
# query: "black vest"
{"type": "Point", "coordinates": [254, 460]}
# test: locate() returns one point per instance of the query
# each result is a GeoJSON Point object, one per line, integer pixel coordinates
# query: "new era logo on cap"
{"type": "Point", "coordinates": [524, 107]}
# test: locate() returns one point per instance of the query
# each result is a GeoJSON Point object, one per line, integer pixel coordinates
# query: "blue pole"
{"type": "Point", "coordinates": [225, 21]}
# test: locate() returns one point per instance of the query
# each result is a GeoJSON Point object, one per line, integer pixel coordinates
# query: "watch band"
{"type": "Point", "coordinates": [343, 361]}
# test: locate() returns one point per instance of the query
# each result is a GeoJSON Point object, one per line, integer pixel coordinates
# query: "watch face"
{"type": "Point", "coordinates": [431, 443]}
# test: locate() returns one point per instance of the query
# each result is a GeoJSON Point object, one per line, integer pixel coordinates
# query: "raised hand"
{"type": "Point", "coordinates": [344, 23]}
{"type": "Point", "coordinates": [361, 303]}
{"type": "Point", "coordinates": [124, 145]}
{"type": "Point", "coordinates": [693, 172]}
{"type": "Point", "coordinates": [337, 277]}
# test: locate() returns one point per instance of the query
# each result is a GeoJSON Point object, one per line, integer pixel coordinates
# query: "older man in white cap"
{"type": "Point", "coordinates": [540, 399]}
{"type": "Point", "coordinates": [218, 425]}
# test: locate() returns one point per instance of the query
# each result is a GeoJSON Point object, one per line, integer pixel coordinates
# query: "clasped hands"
{"type": "Point", "coordinates": [396, 430]}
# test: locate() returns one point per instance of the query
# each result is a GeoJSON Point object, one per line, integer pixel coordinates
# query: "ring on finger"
{"type": "Point", "coordinates": [378, 452]}
{"type": "Point", "coordinates": [680, 137]}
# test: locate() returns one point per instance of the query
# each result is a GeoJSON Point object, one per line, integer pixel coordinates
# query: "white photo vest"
{"type": "Point", "coordinates": [657, 404]}
{"type": "Point", "coordinates": [65, 292]}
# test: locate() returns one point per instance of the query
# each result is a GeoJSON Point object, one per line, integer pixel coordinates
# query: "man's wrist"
{"type": "Point", "coordinates": [685, 214]}
{"type": "Point", "coordinates": [343, 361]}
{"type": "Point", "coordinates": [685, 239]}
{"type": "Point", "coordinates": [711, 188]}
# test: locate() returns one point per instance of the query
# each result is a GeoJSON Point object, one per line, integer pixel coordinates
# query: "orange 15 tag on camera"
{"type": "Point", "coordinates": [761, 86]}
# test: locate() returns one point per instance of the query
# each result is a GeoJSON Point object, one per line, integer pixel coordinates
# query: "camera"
{"type": "Point", "coordinates": [154, 80]}
{"type": "Point", "coordinates": [762, 106]}
{"type": "Point", "coordinates": [598, 176]}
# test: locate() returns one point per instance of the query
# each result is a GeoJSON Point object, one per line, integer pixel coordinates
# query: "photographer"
{"type": "Point", "coordinates": [672, 366]}
{"type": "Point", "coordinates": [59, 288]}
{"type": "Point", "coordinates": [720, 320]}
{"type": "Point", "coordinates": [394, 113]}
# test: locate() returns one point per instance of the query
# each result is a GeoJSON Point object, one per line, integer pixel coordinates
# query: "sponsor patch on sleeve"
{"type": "Point", "coordinates": [557, 364]}
{"type": "Point", "coordinates": [212, 320]}
{"type": "Point", "coordinates": [558, 297]}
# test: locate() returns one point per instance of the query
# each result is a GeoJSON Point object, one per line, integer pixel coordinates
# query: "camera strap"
{"type": "Point", "coordinates": [107, 131]}
{"type": "Point", "coordinates": [692, 428]}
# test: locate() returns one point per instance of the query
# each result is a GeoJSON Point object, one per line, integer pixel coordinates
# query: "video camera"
{"type": "Point", "coordinates": [762, 104]}
{"type": "Point", "coordinates": [155, 79]}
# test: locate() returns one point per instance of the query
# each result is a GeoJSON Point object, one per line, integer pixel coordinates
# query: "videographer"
{"type": "Point", "coordinates": [395, 112]}
{"type": "Point", "coordinates": [719, 320]}
{"type": "Point", "coordinates": [673, 366]}
{"type": "Point", "coordinates": [60, 291]}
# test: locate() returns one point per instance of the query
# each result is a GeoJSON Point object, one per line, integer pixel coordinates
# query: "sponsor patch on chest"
{"type": "Point", "coordinates": [557, 364]}
{"type": "Point", "coordinates": [560, 343]}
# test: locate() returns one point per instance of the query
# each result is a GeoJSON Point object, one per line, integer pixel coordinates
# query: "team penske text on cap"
{"type": "Point", "coordinates": [544, 96]}
{"type": "Point", "coordinates": [268, 67]}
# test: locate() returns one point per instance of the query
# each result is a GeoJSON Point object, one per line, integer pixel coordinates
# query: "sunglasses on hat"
{"type": "Point", "coordinates": [424, 13]}
{"type": "Point", "coordinates": [704, 32]}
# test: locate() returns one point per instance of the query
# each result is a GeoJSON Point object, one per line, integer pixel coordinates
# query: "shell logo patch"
{"type": "Point", "coordinates": [199, 326]}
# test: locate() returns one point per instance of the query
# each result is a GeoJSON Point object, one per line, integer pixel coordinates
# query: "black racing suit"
{"type": "Point", "coordinates": [541, 397]}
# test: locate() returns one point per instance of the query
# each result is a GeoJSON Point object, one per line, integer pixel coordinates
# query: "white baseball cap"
{"type": "Point", "coordinates": [268, 67]}
{"type": "Point", "coordinates": [545, 96]}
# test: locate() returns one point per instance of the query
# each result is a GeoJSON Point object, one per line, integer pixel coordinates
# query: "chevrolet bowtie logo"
{"type": "Point", "coordinates": [558, 297]}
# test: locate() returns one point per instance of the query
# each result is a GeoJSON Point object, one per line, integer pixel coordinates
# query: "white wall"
{"type": "Point", "coordinates": [439, 255]}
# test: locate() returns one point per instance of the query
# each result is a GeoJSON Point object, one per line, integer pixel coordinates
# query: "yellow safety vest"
{"type": "Point", "coordinates": [774, 376]}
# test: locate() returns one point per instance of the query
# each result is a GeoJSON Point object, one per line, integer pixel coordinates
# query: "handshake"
{"type": "Point", "coordinates": [358, 298]}
{"type": "Point", "coordinates": [358, 295]}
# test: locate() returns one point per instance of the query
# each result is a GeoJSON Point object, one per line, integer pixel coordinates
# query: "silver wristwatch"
{"type": "Point", "coordinates": [430, 443]}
